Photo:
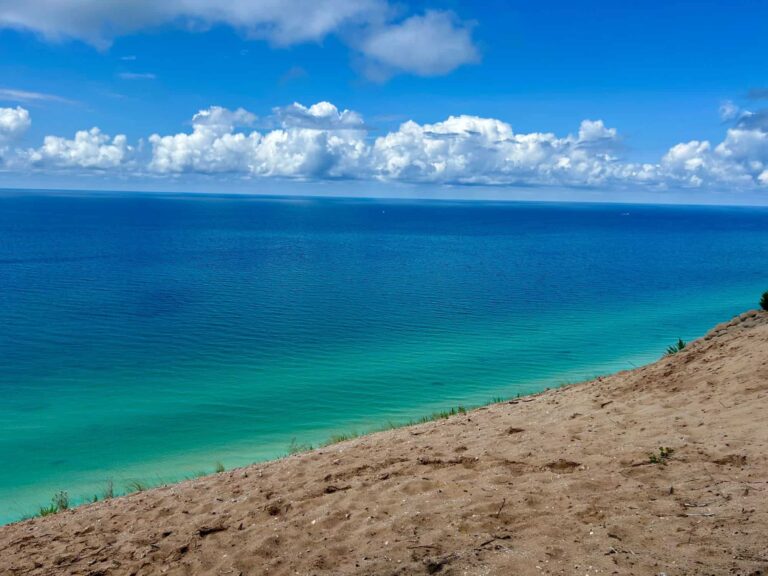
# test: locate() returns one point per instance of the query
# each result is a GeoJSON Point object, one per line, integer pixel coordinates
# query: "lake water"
{"type": "Point", "coordinates": [148, 337]}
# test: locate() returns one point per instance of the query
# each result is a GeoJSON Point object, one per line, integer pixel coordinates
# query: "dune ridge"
{"type": "Point", "coordinates": [573, 480]}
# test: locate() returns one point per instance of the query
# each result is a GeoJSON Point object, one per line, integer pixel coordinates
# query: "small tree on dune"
{"type": "Point", "coordinates": [764, 301]}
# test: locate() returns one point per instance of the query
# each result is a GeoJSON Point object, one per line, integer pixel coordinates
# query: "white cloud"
{"type": "Point", "coordinates": [319, 141]}
{"type": "Point", "coordinates": [474, 150]}
{"type": "Point", "coordinates": [745, 146]}
{"type": "Point", "coordinates": [221, 119]}
{"type": "Point", "coordinates": [309, 153]}
{"type": "Point", "coordinates": [211, 147]}
{"type": "Point", "coordinates": [740, 160]}
{"type": "Point", "coordinates": [688, 162]}
{"type": "Point", "coordinates": [736, 162]}
{"type": "Point", "coordinates": [99, 21]}
{"type": "Point", "coordinates": [14, 122]}
{"type": "Point", "coordinates": [434, 43]}
{"type": "Point", "coordinates": [429, 45]}
{"type": "Point", "coordinates": [324, 142]}
{"type": "Point", "coordinates": [89, 149]}
{"type": "Point", "coordinates": [320, 116]}
{"type": "Point", "coordinates": [593, 132]}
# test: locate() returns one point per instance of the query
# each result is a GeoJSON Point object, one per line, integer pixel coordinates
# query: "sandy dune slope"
{"type": "Point", "coordinates": [557, 483]}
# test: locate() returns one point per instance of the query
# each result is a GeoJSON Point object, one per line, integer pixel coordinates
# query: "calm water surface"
{"type": "Point", "coordinates": [148, 337]}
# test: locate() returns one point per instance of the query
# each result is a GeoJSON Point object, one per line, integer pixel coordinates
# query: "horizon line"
{"type": "Point", "coordinates": [373, 198]}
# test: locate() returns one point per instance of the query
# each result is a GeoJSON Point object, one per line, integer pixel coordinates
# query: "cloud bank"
{"type": "Point", "coordinates": [436, 42]}
{"type": "Point", "coordinates": [324, 142]}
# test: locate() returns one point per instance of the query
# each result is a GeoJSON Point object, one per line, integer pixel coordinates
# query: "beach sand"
{"type": "Point", "coordinates": [556, 483]}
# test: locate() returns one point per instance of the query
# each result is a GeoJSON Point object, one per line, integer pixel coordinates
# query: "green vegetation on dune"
{"type": "Point", "coordinates": [136, 486]}
{"type": "Point", "coordinates": [660, 457]}
{"type": "Point", "coordinates": [343, 437]}
{"type": "Point", "coordinates": [59, 503]}
{"type": "Point", "coordinates": [676, 347]}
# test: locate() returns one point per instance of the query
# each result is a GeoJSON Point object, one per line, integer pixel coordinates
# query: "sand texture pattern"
{"type": "Point", "coordinates": [556, 483]}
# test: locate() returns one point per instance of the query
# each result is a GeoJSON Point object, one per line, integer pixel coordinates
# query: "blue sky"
{"type": "Point", "coordinates": [674, 93]}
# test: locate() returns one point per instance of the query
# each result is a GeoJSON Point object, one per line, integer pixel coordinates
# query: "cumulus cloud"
{"type": "Point", "coordinates": [429, 45]}
{"type": "Point", "coordinates": [88, 149]}
{"type": "Point", "coordinates": [737, 161]}
{"type": "Point", "coordinates": [594, 131]}
{"type": "Point", "coordinates": [322, 141]}
{"type": "Point", "coordinates": [211, 147]}
{"type": "Point", "coordinates": [320, 116]}
{"type": "Point", "coordinates": [221, 120]}
{"type": "Point", "coordinates": [319, 141]}
{"type": "Point", "coordinates": [474, 150]}
{"type": "Point", "coordinates": [740, 160]}
{"type": "Point", "coordinates": [435, 43]}
{"type": "Point", "coordinates": [14, 122]}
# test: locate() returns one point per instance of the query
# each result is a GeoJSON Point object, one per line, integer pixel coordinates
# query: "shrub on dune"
{"type": "Point", "coordinates": [675, 348]}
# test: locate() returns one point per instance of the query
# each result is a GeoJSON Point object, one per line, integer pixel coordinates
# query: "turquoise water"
{"type": "Point", "coordinates": [148, 337]}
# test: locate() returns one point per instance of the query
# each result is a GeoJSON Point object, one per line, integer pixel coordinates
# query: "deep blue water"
{"type": "Point", "coordinates": [149, 337]}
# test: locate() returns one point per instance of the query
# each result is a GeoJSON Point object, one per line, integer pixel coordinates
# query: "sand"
{"type": "Point", "coordinates": [556, 483]}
